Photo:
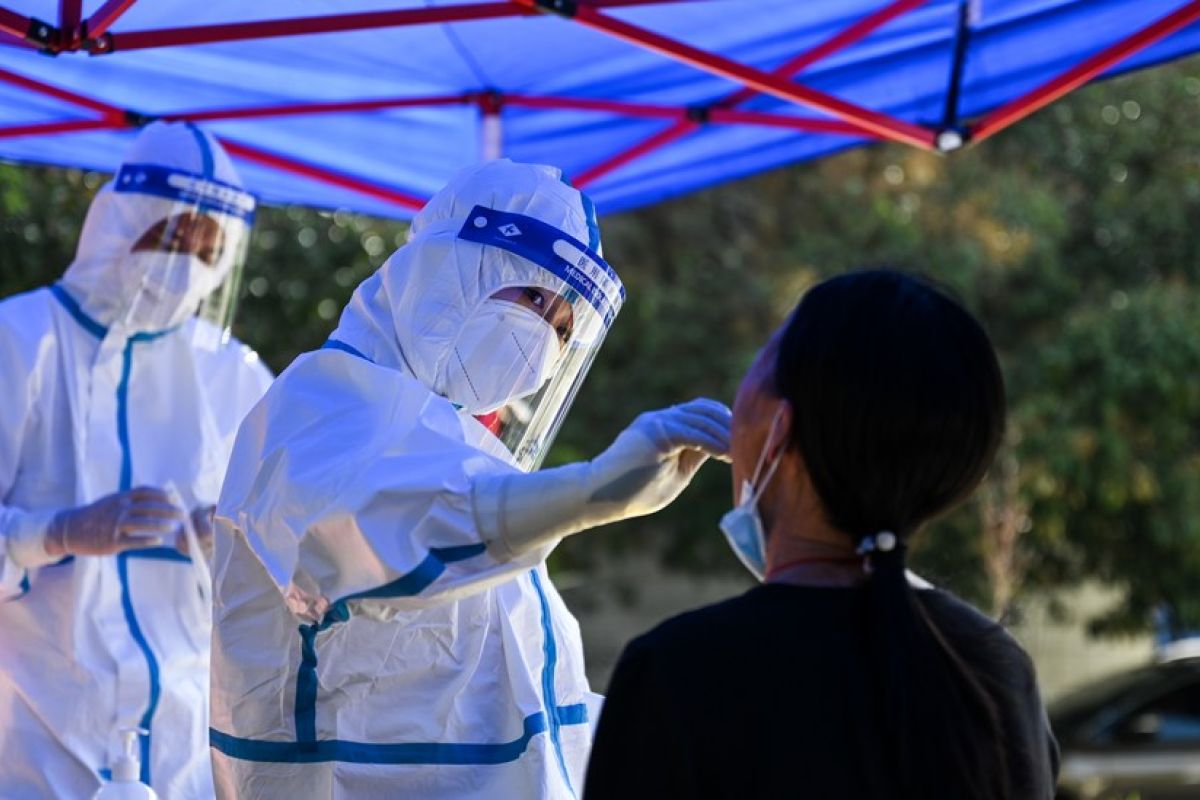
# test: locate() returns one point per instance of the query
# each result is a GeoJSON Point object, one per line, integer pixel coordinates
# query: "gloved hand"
{"type": "Point", "coordinates": [122, 521]}
{"type": "Point", "coordinates": [646, 467]}
{"type": "Point", "coordinates": [655, 458]}
{"type": "Point", "coordinates": [202, 524]}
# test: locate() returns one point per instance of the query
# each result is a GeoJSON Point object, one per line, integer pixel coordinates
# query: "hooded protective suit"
{"type": "Point", "coordinates": [93, 405]}
{"type": "Point", "coordinates": [383, 627]}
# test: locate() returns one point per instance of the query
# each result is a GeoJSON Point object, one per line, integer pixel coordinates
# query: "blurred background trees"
{"type": "Point", "coordinates": [1072, 236]}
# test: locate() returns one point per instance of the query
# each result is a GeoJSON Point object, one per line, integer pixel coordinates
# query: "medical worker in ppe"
{"type": "Point", "coordinates": [120, 408]}
{"type": "Point", "coordinates": [384, 625]}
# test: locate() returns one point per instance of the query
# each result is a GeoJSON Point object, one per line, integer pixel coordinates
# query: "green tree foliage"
{"type": "Point", "coordinates": [1071, 236]}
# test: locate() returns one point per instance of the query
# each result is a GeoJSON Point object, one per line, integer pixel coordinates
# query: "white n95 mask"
{"type": "Point", "coordinates": [503, 352]}
{"type": "Point", "coordinates": [170, 288]}
{"type": "Point", "coordinates": [742, 525]}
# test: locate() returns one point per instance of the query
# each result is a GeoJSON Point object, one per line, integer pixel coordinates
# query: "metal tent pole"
{"type": "Point", "coordinates": [14, 24]}
{"type": "Point", "coordinates": [330, 107]}
{"type": "Point", "coordinates": [850, 35]}
{"type": "Point", "coordinates": [297, 26]}
{"type": "Point", "coordinates": [321, 174]}
{"type": "Point", "coordinates": [65, 95]}
{"type": "Point", "coordinates": [99, 22]}
{"type": "Point", "coordinates": [1072, 79]}
{"type": "Point", "coordinates": [716, 116]}
{"type": "Point", "coordinates": [70, 14]}
{"type": "Point", "coordinates": [880, 124]}
{"type": "Point", "coordinates": [113, 118]}
{"type": "Point", "coordinates": [67, 126]}
{"type": "Point", "coordinates": [491, 126]}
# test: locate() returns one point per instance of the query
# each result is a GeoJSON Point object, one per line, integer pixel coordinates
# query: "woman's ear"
{"type": "Point", "coordinates": [781, 432]}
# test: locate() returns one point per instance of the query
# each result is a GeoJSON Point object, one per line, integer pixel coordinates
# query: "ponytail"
{"type": "Point", "coordinates": [939, 728]}
{"type": "Point", "coordinates": [898, 408]}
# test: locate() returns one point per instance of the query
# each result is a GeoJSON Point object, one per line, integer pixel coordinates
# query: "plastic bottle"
{"type": "Point", "coordinates": [125, 783]}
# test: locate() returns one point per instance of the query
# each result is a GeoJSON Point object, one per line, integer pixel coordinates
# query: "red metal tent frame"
{"type": "Point", "coordinates": [93, 35]}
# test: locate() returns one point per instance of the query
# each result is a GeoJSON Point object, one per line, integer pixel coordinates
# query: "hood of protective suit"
{"type": "Point", "coordinates": [103, 279]}
{"type": "Point", "coordinates": [410, 312]}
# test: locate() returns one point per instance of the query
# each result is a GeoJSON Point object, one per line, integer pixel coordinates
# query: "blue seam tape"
{"type": "Point", "coordinates": [306, 687]}
{"type": "Point", "coordinates": [159, 554]}
{"type": "Point", "coordinates": [589, 213]}
{"type": "Point", "coordinates": [550, 649]}
{"type": "Point", "coordinates": [572, 715]}
{"type": "Point", "coordinates": [126, 481]}
{"type": "Point", "coordinates": [425, 573]}
{"type": "Point", "coordinates": [338, 344]}
{"type": "Point", "coordinates": [206, 155]}
{"type": "Point", "coordinates": [413, 582]}
{"type": "Point", "coordinates": [361, 753]}
{"type": "Point", "coordinates": [87, 323]}
{"type": "Point", "coordinates": [391, 753]}
{"type": "Point", "coordinates": [23, 586]}
{"type": "Point", "coordinates": [135, 630]}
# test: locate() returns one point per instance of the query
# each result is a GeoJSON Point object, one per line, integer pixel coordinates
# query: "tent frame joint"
{"type": "Point", "coordinates": [950, 138]}
{"type": "Point", "coordinates": [136, 119]}
{"type": "Point", "coordinates": [560, 8]}
{"type": "Point", "coordinates": [100, 45]}
{"type": "Point", "coordinates": [699, 114]}
{"type": "Point", "coordinates": [490, 101]}
{"type": "Point", "coordinates": [46, 37]}
{"type": "Point", "coordinates": [52, 40]}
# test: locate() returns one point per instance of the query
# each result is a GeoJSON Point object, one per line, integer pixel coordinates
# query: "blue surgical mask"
{"type": "Point", "coordinates": [742, 526]}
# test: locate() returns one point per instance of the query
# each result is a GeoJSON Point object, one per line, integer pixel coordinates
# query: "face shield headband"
{"type": "Point", "coordinates": [525, 425]}
{"type": "Point", "coordinates": [568, 259]}
{"type": "Point", "coordinates": [195, 266]}
{"type": "Point", "coordinates": [186, 188]}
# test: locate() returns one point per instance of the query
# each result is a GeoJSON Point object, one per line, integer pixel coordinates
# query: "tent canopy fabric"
{"type": "Point", "coordinates": [371, 105]}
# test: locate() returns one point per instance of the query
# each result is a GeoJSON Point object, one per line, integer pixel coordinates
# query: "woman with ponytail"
{"type": "Point", "coordinates": [877, 407]}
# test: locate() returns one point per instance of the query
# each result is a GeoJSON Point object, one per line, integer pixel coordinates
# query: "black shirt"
{"type": "Point", "coordinates": [751, 698]}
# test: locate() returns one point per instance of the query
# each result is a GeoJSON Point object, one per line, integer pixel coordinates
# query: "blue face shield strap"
{"type": "Point", "coordinates": [589, 214]}
{"type": "Point", "coordinates": [567, 258]}
{"type": "Point", "coordinates": [185, 187]}
{"type": "Point", "coordinates": [206, 156]}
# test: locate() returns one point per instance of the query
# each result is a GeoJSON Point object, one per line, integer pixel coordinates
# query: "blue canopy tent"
{"type": "Point", "coordinates": [371, 105]}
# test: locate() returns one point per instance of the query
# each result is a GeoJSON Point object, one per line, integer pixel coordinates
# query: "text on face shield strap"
{"type": "Point", "coordinates": [566, 258]}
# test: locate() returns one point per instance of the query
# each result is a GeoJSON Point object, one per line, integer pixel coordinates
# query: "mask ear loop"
{"type": "Point", "coordinates": [759, 488]}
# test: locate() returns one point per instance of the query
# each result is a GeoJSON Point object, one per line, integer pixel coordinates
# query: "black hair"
{"type": "Point", "coordinates": [898, 409]}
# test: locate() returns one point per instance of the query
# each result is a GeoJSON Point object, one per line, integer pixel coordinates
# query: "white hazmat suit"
{"type": "Point", "coordinates": [95, 404]}
{"type": "Point", "coordinates": [384, 625]}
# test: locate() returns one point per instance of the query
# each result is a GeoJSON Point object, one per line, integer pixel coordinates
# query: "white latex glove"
{"type": "Point", "coordinates": [648, 465]}
{"type": "Point", "coordinates": [140, 517]}
{"type": "Point", "coordinates": [202, 524]}
{"type": "Point", "coordinates": [655, 458]}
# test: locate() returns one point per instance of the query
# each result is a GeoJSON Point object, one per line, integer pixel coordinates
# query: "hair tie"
{"type": "Point", "coordinates": [882, 542]}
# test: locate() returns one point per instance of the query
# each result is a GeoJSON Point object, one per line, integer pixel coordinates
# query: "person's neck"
{"type": "Point", "coordinates": [803, 549]}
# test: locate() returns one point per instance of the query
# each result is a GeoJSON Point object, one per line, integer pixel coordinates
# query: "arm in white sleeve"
{"type": "Point", "coordinates": [22, 532]}
{"type": "Point", "coordinates": [646, 468]}
{"type": "Point", "coordinates": [352, 481]}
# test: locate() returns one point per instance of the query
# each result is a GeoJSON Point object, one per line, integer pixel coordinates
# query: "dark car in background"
{"type": "Point", "coordinates": [1134, 735]}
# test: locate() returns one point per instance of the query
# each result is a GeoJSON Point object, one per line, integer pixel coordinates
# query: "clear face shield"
{"type": "Point", "coordinates": [188, 262]}
{"type": "Point", "coordinates": [521, 357]}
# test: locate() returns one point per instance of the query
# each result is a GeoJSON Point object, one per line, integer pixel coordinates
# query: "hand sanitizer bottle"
{"type": "Point", "coordinates": [125, 784]}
